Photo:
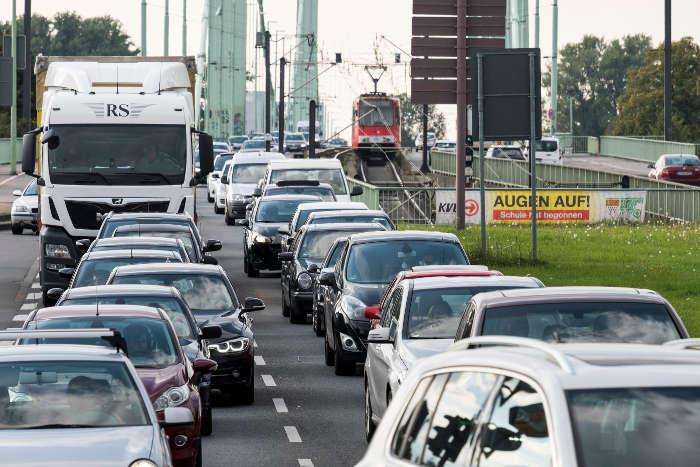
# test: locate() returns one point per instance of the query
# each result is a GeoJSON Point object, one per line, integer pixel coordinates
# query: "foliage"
{"type": "Point", "coordinates": [641, 106]}
{"type": "Point", "coordinates": [412, 121]}
{"type": "Point", "coordinates": [661, 257]}
{"type": "Point", "coordinates": [594, 73]}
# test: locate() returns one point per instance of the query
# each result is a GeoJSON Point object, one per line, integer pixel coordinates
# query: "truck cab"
{"type": "Point", "coordinates": [117, 135]}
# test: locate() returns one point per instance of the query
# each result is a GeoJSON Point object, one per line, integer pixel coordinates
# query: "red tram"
{"type": "Point", "coordinates": [376, 125]}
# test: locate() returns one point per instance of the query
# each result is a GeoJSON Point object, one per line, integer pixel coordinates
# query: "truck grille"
{"type": "Point", "coordinates": [88, 215]}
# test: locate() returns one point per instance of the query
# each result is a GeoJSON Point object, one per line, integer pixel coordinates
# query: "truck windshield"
{"type": "Point", "coordinates": [119, 155]}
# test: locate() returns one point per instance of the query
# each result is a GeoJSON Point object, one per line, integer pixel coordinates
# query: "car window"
{"type": "Point", "coordinates": [334, 177]}
{"type": "Point", "coordinates": [335, 256]}
{"type": "Point", "coordinates": [31, 189]}
{"type": "Point", "coordinates": [394, 310]}
{"type": "Point", "coordinates": [411, 435]}
{"type": "Point", "coordinates": [185, 236]}
{"type": "Point", "coordinates": [381, 220]}
{"type": "Point", "coordinates": [546, 146]}
{"type": "Point", "coordinates": [90, 393]}
{"type": "Point", "coordinates": [247, 173]}
{"type": "Point", "coordinates": [457, 418]}
{"type": "Point", "coordinates": [465, 325]}
{"type": "Point", "coordinates": [277, 211]}
{"type": "Point", "coordinates": [97, 271]}
{"type": "Point", "coordinates": [516, 433]}
{"type": "Point", "coordinates": [632, 322]}
{"type": "Point", "coordinates": [221, 160]}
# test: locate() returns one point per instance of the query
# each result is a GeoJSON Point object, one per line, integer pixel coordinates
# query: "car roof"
{"type": "Point", "coordinates": [402, 235]}
{"type": "Point", "coordinates": [130, 253]}
{"type": "Point", "coordinates": [169, 268]}
{"type": "Point", "coordinates": [77, 311]}
{"type": "Point", "coordinates": [567, 294]}
{"type": "Point", "coordinates": [259, 157]}
{"type": "Point", "coordinates": [306, 163]}
{"type": "Point", "coordinates": [120, 289]}
{"type": "Point", "coordinates": [290, 197]}
{"type": "Point", "coordinates": [577, 366]}
{"type": "Point", "coordinates": [348, 205]}
{"type": "Point", "coordinates": [349, 212]}
{"type": "Point", "coordinates": [437, 282]}
{"type": "Point", "coordinates": [344, 226]}
{"type": "Point", "coordinates": [154, 228]}
{"type": "Point", "coordinates": [59, 352]}
{"type": "Point", "coordinates": [152, 215]}
{"type": "Point", "coordinates": [108, 241]}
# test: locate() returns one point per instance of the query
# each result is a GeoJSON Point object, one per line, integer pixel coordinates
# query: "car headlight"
{"type": "Point", "coordinates": [57, 251]}
{"type": "Point", "coordinates": [304, 281]}
{"type": "Point", "coordinates": [172, 397]}
{"type": "Point", "coordinates": [237, 197]}
{"type": "Point", "coordinates": [19, 208]}
{"type": "Point", "coordinates": [232, 346]}
{"type": "Point", "coordinates": [257, 238]}
{"type": "Point", "coordinates": [354, 307]}
{"type": "Point", "coordinates": [143, 463]}
{"type": "Point", "coordinates": [302, 145]}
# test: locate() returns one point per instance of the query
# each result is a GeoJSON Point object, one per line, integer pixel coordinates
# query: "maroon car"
{"type": "Point", "coordinates": [679, 168]}
{"type": "Point", "coordinates": [153, 348]}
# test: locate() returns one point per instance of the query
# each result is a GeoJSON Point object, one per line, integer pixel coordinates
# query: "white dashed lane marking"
{"type": "Point", "coordinates": [268, 380]}
{"type": "Point", "coordinates": [305, 463]}
{"type": "Point", "coordinates": [292, 434]}
{"type": "Point", "coordinates": [280, 406]}
{"type": "Point", "coordinates": [35, 285]}
{"type": "Point", "coordinates": [27, 307]}
{"type": "Point", "coordinates": [259, 361]}
{"type": "Point", "coordinates": [33, 296]}
{"type": "Point", "coordinates": [20, 318]}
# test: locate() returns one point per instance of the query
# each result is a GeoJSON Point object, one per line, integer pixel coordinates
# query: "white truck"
{"type": "Point", "coordinates": [117, 134]}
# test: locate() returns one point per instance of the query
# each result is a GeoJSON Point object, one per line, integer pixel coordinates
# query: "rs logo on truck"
{"type": "Point", "coordinates": [114, 110]}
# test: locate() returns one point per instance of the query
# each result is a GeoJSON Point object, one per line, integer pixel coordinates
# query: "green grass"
{"type": "Point", "coordinates": [661, 257]}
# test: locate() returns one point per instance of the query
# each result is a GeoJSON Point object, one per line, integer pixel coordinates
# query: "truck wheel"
{"type": "Point", "coordinates": [17, 229]}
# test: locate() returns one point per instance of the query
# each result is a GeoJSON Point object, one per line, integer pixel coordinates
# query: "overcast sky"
{"type": "Point", "coordinates": [350, 28]}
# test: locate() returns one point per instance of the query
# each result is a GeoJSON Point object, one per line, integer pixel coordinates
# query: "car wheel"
{"type": "Point", "coordinates": [342, 366]}
{"type": "Point", "coordinates": [229, 220]}
{"type": "Point", "coordinates": [370, 426]}
{"type": "Point", "coordinates": [245, 264]}
{"type": "Point", "coordinates": [328, 353]}
{"type": "Point", "coordinates": [17, 229]}
{"type": "Point", "coordinates": [248, 392]}
{"type": "Point", "coordinates": [207, 422]}
{"type": "Point", "coordinates": [252, 272]}
{"type": "Point", "coordinates": [285, 308]}
{"type": "Point", "coordinates": [318, 330]}
{"type": "Point", "coordinates": [198, 461]}
{"type": "Point", "coordinates": [218, 210]}
{"type": "Point", "coordinates": [296, 316]}
{"type": "Point", "coordinates": [210, 198]}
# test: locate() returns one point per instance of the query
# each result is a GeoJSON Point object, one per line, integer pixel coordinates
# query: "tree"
{"type": "Point", "coordinates": [412, 121]}
{"type": "Point", "coordinates": [67, 33]}
{"type": "Point", "coordinates": [642, 104]}
{"type": "Point", "coordinates": [593, 72]}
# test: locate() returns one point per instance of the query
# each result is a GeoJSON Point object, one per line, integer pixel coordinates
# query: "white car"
{"type": "Point", "coordinates": [431, 140]}
{"type": "Point", "coordinates": [236, 141]}
{"type": "Point", "coordinates": [243, 175]}
{"type": "Point", "coordinates": [548, 150]}
{"type": "Point", "coordinates": [417, 318]}
{"type": "Point", "coordinates": [323, 170]}
{"type": "Point", "coordinates": [214, 175]}
{"type": "Point", "coordinates": [23, 214]}
{"type": "Point", "coordinates": [68, 405]}
{"type": "Point", "coordinates": [526, 402]}
{"type": "Point", "coordinates": [220, 188]}
{"type": "Point", "coordinates": [445, 145]}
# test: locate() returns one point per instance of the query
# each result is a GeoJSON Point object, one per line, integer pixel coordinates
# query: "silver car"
{"type": "Point", "coordinates": [67, 405]}
{"type": "Point", "coordinates": [24, 209]}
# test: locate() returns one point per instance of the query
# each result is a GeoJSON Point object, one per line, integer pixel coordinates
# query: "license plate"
{"type": "Point", "coordinates": [376, 139]}
{"type": "Point", "coordinates": [684, 174]}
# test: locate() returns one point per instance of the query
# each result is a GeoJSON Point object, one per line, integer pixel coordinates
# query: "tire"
{"type": "Point", "coordinates": [245, 264]}
{"type": "Point", "coordinates": [248, 392]}
{"type": "Point", "coordinates": [198, 460]}
{"type": "Point", "coordinates": [328, 353]}
{"type": "Point", "coordinates": [286, 312]}
{"type": "Point", "coordinates": [210, 198]}
{"type": "Point", "coordinates": [229, 220]}
{"type": "Point", "coordinates": [251, 271]}
{"type": "Point", "coordinates": [316, 324]}
{"type": "Point", "coordinates": [342, 366]}
{"type": "Point", "coordinates": [17, 229]}
{"type": "Point", "coordinates": [370, 426]}
{"type": "Point", "coordinates": [218, 210]}
{"type": "Point", "coordinates": [207, 422]}
{"type": "Point", "coordinates": [296, 316]}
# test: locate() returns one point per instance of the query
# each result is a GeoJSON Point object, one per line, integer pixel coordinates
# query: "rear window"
{"type": "Point", "coordinates": [354, 219]}
{"type": "Point", "coordinates": [631, 322]}
{"type": "Point", "coordinates": [97, 271]}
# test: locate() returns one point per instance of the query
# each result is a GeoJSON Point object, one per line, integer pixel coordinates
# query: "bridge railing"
{"type": "Point", "coordinates": [5, 151]}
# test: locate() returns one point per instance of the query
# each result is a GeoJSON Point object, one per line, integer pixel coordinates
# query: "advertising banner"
{"type": "Point", "coordinates": [553, 206]}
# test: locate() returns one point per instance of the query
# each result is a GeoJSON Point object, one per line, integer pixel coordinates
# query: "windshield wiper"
{"type": "Point", "coordinates": [154, 174]}
{"type": "Point", "coordinates": [81, 181]}
{"type": "Point", "coordinates": [59, 425]}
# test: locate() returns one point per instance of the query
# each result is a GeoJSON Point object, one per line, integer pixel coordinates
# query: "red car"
{"type": "Point", "coordinates": [679, 168]}
{"type": "Point", "coordinates": [153, 348]}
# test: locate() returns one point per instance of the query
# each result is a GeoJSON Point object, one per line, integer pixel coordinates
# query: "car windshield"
{"type": "Point", "coordinates": [378, 262]}
{"type": "Point", "coordinates": [334, 177]}
{"type": "Point", "coordinates": [254, 144]}
{"type": "Point", "coordinates": [247, 173]}
{"type": "Point", "coordinates": [119, 154]}
{"type": "Point", "coordinates": [508, 153]}
{"type": "Point", "coordinates": [629, 427]}
{"type": "Point", "coordinates": [277, 211]}
{"type": "Point", "coordinates": [148, 341]}
{"type": "Point", "coordinates": [631, 322]}
{"type": "Point", "coordinates": [183, 235]}
{"type": "Point", "coordinates": [326, 194]}
{"type": "Point", "coordinates": [172, 248]}
{"type": "Point", "coordinates": [316, 244]}
{"type": "Point", "coordinates": [221, 160]}
{"type": "Point", "coordinates": [682, 160]}
{"type": "Point", "coordinates": [237, 139]}
{"type": "Point", "coordinates": [97, 271]}
{"type": "Point", "coordinates": [69, 394]}
{"type": "Point", "coordinates": [201, 292]}
{"type": "Point", "coordinates": [31, 189]}
{"type": "Point", "coordinates": [355, 218]}
{"type": "Point", "coordinates": [298, 138]}
{"type": "Point", "coordinates": [546, 146]}
{"type": "Point", "coordinates": [435, 313]}
{"type": "Point", "coordinates": [111, 225]}
{"type": "Point", "coordinates": [376, 112]}
{"type": "Point", "coordinates": [171, 306]}
{"type": "Point", "coordinates": [445, 145]}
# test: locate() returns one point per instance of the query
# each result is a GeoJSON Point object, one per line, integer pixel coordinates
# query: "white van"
{"type": "Point", "coordinates": [241, 178]}
{"type": "Point", "coordinates": [323, 170]}
{"type": "Point", "coordinates": [548, 150]}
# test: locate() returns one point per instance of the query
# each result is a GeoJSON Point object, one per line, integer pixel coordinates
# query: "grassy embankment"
{"type": "Point", "coordinates": [661, 257]}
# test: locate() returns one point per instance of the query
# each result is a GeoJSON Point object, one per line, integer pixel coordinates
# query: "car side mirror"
{"type": "Point", "coordinates": [212, 331]}
{"type": "Point", "coordinates": [54, 293]}
{"type": "Point", "coordinates": [17, 193]}
{"type": "Point", "coordinates": [327, 277]}
{"type": "Point", "coordinates": [224, 180]}
{"type": "Point", "coordinates": [204, 365]}
{"type": "Point", "coordinates": [357, 190]}
{"type": "Point", "coordinates": [249, 207]}
{"type": "Point", "coordinates": [284, 230]}
{"type": "Point", "coordinates": [286, 256]}
{"type": "Point", "coordinates": [244, 222]}
{"type": "Point", "coordinates": [208, 259]}
{"type": "Point", "coordinates": [379, 336]}
{"type": "Point", "coordinates": [214, 176]}
{"type": "Point", "coordinates": [372, 312]}
{"type": "Point", "coordinates": [29, 151]}
{"type": "Point", "coordinates": [177, 416]}
{"type": "Point", "coordinates": [82, 245]}
{"type": "Point", "coordinates": [314, 269]}
{"type": "Point", "coordinates": [251, 304]}
{"type": "Point", "coordinates": [257, 192]}
{"type": "Point", "coordinates": [212, 245]}
{"type": "Point", "coordinates": [66, 272]}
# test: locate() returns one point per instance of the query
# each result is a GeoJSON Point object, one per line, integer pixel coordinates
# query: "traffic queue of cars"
{"type": "Point", "coordinates": [148, 287]}
{"type": "Point", "coordinates": [461, 364]}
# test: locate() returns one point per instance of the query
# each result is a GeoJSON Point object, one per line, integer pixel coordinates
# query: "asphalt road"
{"type": "Point", "coordinates": [303, 414]}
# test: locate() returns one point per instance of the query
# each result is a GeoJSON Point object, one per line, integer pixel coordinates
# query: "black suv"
{"type": "Point", "coordinates": [367, 264]}
{"type": "Point", "coordinates": [300, 264]}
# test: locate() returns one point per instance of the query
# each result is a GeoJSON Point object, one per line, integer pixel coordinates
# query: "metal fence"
{"type": "Point", "coordinates": [572, 144]}
{"type": "Point", "coordinates": [5, 151]}
{"type": "Point", "coordinates": [642, 149]}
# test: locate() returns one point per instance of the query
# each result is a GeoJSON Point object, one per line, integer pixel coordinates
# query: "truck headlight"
{"type": "Point", "coordinates": [54, 250]}
{"type": "Point", "coordinates": [304, 281]}
{"type": "Point", "coordinates": [172, 397]}
{"type": "Point", "coordinates": [233, 346]}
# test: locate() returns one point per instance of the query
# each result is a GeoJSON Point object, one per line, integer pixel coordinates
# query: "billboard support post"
{"type": "Point", "coordinates": [533, 154]}
{"type": "Point", "coordinates": [482, 162]}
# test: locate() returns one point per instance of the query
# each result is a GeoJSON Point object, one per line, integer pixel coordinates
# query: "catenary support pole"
{"type": "Point", "coordinates": [280, 113]}
{"type": "Point", "coordinates": [144, 28]}
{"type": "Point", "coordinates": [166, 28]}
{"type": "Point", "coordinates": [184, 27]}
{"type": "Point", "coordinates": [461, 107]}
{"type": "Point", "coordinates": [13, 108]}
{"type": "Point", "coordinates": [668, 90]}
{"type": "Point", "coordinates": [555, 65]}
{"type": "Point", "coordinates": [28, 67]}
{"type": "Point", "coordinates": [537, 24]}
{"type": "Point", "coordinates": [268, 90]}
{"type": "Point", "coordinates": [312, 129]}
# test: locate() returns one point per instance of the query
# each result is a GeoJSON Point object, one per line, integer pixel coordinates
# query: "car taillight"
{"type": "Point", "coordinates": [665, 173]}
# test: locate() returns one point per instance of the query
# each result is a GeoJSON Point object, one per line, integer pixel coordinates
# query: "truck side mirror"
{"type": "Point", "coordinates": [206, 154]}
{"type": "Point", "coordinates": [29, 151]}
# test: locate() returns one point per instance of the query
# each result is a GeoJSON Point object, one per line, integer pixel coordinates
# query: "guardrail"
{"type": "Point", "coordinates": [642, 149]}
{"type": "Point", "coordinates": [5, 150]}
